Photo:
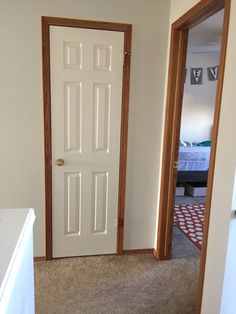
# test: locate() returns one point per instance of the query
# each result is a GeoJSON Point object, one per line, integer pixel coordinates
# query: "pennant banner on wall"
{"type": "Point", "coordinates": [213, 73]}
{"type": "Point", "coordinates": [196, 76]}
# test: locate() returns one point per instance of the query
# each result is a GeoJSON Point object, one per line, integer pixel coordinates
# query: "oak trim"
{"type": "Point", "coordinates": [39, 259]}
{"type": "Point", "coordinates": [138, 251]}
{"type": "Point", "coordinates": [171, 140]}
{"type": "Point", "coordinates": [47, 136]}
{"type": "Point", "coordinates": [119, 27]}
{"type": "Point", "coordinates": [124, 138]}
{"type": "Point", "coordinates": [197, 14]}
{"type": "Point", "coordinates": [194, 16]}
{"type": "Point", "coordinates": [67, 22]}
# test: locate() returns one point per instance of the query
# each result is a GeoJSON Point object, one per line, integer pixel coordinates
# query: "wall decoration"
{"type": "Point", "coordinates": [196, 76]}
{"type": "Point", "coordinates": [213, 73]}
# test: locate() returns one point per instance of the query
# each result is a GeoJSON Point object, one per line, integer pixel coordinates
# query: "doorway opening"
{"type": "Point", "coordinates": [196, 123]}
{"type": "Point", "coordinates": [176, 79]}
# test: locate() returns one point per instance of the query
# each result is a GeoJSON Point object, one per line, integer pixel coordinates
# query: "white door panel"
{"type": "Point", "coordinates": [86, 93]}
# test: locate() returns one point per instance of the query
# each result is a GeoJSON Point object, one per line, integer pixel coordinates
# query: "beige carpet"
{"type": "Point", "coordinates": [126, 284]}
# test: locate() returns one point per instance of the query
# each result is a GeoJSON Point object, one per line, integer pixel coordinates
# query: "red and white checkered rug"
{"type": "Point", "coordinates": [190, 220]}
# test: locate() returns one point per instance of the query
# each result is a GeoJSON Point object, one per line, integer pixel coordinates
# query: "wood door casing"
{"type": "Point", "coordinates": [194, 16]}
{"type": "Point", "coordinates": [127, 30]}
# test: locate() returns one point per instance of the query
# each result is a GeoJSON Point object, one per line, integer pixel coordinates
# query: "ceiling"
{"type": "Point", "coordinates": [207, 35]}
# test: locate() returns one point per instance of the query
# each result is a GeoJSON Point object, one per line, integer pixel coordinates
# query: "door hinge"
{"type": "Point", "coordinates": [126, 59]}
{"type": "Point", "coordinates": [120, 222]}
{"type": "Point", "coordinates": [175, 165]}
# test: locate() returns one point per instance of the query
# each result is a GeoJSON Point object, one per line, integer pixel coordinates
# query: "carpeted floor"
{"type": "Point", "coordinates": [126, 284]}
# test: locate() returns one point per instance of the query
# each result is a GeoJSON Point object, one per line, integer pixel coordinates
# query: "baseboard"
{"type": "Point", "coordinates": [125, 252]}
{"type": "Point", "coordinates": [138, 251]}
{"type": "Point", "coordinates": [160, 257]}
{"type": "Point", "coordinates": [155, 254]}
{"type": "Point", "coordinates": [39, 258]}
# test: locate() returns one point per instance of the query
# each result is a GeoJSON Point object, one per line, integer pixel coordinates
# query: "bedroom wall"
{"type": "Point", "coordinates": [21, 105]}
{"type": "Point", "coordinates": [220, 241]}
{"type": "Point", "coordinates": [199, 100]}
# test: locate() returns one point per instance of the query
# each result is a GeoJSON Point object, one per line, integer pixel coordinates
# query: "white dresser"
{"type": "Point", "coordinates": [16, 261]}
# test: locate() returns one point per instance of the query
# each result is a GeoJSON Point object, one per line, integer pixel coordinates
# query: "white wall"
{"type": "Point", "coordinates": [222, 196]}
{"type": "Point", "coordinates": [199, 100]}
{"type": "Point", "coordinates": [221, 217]}
{"type": "Point", "coordinates": [177, 8]}
{"type": "Point", "coordinates": [229, 289]}
{"type": "Point", "coordinates": [21, 105]}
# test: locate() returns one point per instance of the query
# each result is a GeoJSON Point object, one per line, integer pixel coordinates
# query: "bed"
{"type": "Point", "coordinates": [193, 163]}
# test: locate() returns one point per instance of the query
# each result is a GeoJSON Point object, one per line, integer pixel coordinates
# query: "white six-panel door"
{"type": "Point", "coordinates": [86, 93]}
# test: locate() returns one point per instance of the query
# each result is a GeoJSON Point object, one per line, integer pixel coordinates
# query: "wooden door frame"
{"type": "Point", "coordinates": [119, 27]}
{"type": "Point", "coordinates": [177, 61]}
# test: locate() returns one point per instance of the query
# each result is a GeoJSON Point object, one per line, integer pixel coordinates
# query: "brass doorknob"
{"type": "Point", "coordinates": [60, 162]}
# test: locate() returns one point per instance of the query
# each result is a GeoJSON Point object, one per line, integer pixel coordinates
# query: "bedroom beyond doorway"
{"type": "Point", "coordinates": [198, 107]}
